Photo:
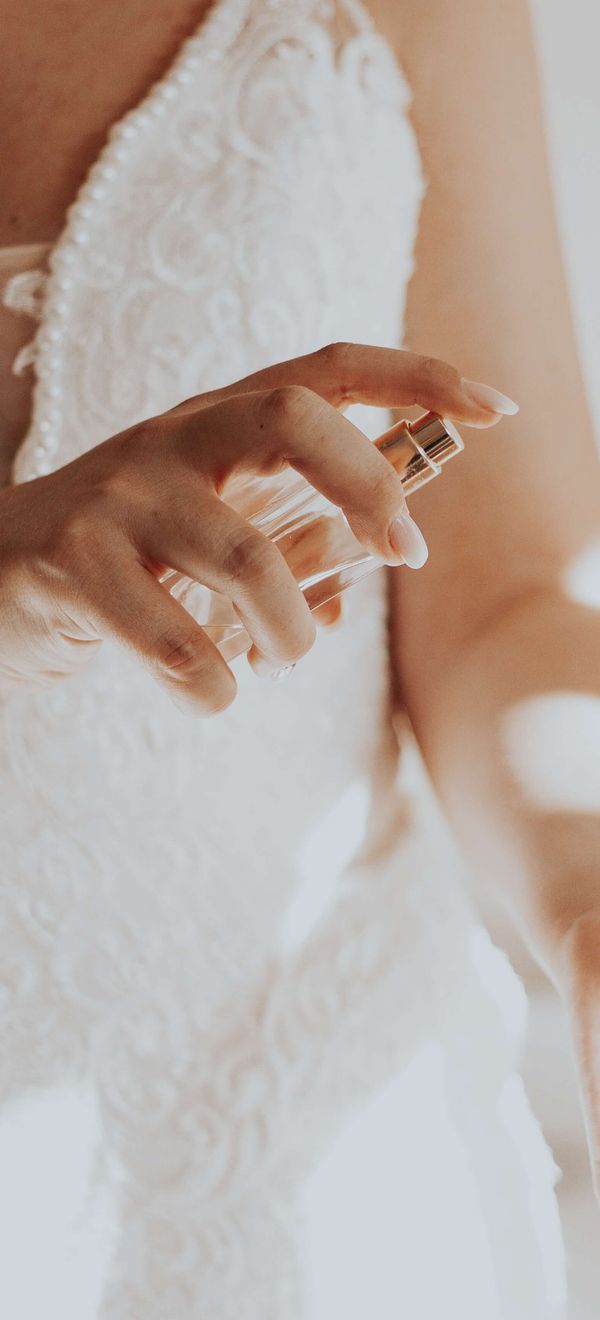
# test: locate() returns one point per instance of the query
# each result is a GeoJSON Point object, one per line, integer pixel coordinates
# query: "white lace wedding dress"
{"type": "Point", "coordinates": [259, 1057]}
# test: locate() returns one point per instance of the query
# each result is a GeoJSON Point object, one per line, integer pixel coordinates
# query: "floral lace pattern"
{"type": "Point", "coordinates": [262, 201]}
{"type": "Point", "coordinates": [216, 235]}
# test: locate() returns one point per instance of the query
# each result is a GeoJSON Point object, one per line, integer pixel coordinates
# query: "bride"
{"type": "Point", "coordinates": [259, 1057]}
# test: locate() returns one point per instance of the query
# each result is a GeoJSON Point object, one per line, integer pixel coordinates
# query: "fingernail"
{"type": "Point", "coordinates": [264, 669]}
{"type": "Point", "coordinates": [407, 540]}
{"type": "Point", "coordinates": [278, 674]}
{"type": "Point", "coordinates": [486, 397]}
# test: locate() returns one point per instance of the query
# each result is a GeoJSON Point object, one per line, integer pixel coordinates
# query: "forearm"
{"type": "Point", "coordinates": [510, 731]}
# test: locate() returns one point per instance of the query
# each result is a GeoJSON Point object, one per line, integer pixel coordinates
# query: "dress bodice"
{"type": "Point", "coordinates": [261, 200]}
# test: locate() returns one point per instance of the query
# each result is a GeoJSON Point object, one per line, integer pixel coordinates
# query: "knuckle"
{"type": "Point", "coordinates": [133, 455]}
{"type": "Point", "coordinates": [183, 655]}
{"type": "Point", "coordinates": [72, 545]}
{"type": "Point", "coordinates": [135, 438]}
{"type": "Point", "coordinates": [193, 677]}
{"type": "Point", "coordinates": [428, 369]}
{"type": "Point", "coordinates": [113, 490]}
{"type": "Point", "coordinates": [247, 555]}
{"type": "Point", "coordinates": [434, 372]}
{"type": "Point", "coordinates": [336, 354]}
{"type": "Point", "coordinates": [286, 403]}
{"type": "Point", "coordinates": [337, 359]}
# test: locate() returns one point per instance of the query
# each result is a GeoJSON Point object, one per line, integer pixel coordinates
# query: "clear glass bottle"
{"type": "Point", "coordinates": [312, 533]}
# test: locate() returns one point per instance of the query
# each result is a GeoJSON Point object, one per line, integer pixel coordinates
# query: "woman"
{"type": "Point", "coordinates": [197, 959]}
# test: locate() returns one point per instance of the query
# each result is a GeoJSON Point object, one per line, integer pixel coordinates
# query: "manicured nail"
{"type": "Point", "coordinates": [263, 669]}
{"type": "Point", "coordinates": [407, 540]}
{"type": "Point", "coordinates": [486, 397]}
{"type": "Point", "coordinates": [278, 674]}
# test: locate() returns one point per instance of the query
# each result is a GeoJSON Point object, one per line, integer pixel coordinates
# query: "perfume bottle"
{"type": "Point", "coordinates": [313, 534]}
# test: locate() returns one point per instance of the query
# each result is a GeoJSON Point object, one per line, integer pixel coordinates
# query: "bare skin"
{"type": "Point", "coordinates": [492, 648]}
{"type": "Point", "coordinates": [150, 497]}
{"type": "Point", "coordinates": [54, 93]}
{"type": "Point", "coordinates": [488, 624]}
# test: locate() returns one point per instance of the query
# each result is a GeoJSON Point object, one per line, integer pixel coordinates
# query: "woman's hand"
{"type": "Point", "coordinates": [81, 550]}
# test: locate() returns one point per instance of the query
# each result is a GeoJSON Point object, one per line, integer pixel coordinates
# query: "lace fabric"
{"type": "Point", "coordinates": [228, 937]}
{"type": "Point", "coordinates": [188, 278]}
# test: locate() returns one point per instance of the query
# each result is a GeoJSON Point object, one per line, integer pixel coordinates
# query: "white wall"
{"type": "Point", "coordinates": [568, 37]}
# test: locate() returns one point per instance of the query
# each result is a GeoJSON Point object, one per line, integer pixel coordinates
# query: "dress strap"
{"type": "Point", "coordinates": [16, 254]}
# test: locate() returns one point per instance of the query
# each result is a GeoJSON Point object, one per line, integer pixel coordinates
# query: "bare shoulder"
{"type": "Point", "coordinates": [490, 295]}
{"type": "Point", "coordinates": [412, 25]}
{"type": "Point", "coordinates": [435, 36]}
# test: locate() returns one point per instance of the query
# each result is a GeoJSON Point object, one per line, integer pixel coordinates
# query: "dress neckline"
{"type": "Point", "coordinates": [204, 39]}
{"type": "Point", "coordinates": [208, 45]}
{"type": "Point", "coordinates": [218, 27]}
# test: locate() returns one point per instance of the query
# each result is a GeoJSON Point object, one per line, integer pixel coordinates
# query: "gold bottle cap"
{"type": "Point", "coordinates": [418, 449]}
{"type": "Point", "coordinates": [436, 438]}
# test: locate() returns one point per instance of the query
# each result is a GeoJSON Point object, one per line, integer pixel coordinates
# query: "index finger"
{"type": "Point", "coordinates": [262, 431]}
{"type": "Point", "coordinates": [347, 373]}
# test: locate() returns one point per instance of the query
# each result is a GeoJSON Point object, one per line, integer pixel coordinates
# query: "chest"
{"type": "Point", "coordinates": [68, 71]}
{"type": "Point", "coordinates": [229, 222]}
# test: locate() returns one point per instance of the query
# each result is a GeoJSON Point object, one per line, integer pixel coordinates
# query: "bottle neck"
{"type": "Point", "coordinates": [417, 450]}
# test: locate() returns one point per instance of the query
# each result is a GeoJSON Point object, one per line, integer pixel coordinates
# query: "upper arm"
{"type": "Point", "coordinates": [489, 294]}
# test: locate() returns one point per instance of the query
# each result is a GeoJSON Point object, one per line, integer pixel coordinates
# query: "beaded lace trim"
{"type": "Point", "coordinates": [46, 296]}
